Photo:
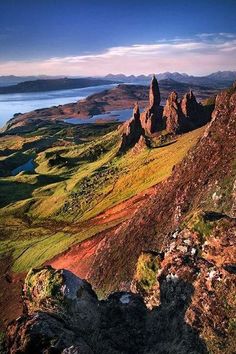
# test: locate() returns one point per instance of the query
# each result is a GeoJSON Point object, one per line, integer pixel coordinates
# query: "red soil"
{"type": "Point", "coordinates": [80, 257]}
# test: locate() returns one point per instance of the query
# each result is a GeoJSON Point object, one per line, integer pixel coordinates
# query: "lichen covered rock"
{"type": "Point", "coordinates": [61, 294]}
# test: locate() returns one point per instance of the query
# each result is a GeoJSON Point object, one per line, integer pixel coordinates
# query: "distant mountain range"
{"type": "Point", "coordinates": [218, 79]}
{"type": "Point", "coordinates": [19, 84]}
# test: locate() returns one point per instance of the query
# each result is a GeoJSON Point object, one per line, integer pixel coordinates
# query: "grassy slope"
{"type": "Point", "coordinates": [42, 212]}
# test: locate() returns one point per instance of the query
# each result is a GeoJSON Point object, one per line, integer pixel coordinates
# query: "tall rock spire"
{"type": "Point", "coordinates": [151, 118]}
{"type": "Point", "coordinates": [154, 93]}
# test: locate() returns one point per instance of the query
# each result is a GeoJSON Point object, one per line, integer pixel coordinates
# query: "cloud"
{"type": "Point", "coordinates": [201, 54]}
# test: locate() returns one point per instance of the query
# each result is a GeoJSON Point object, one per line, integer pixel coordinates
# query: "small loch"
{"type": "Point", "coordinates": [28, 166]}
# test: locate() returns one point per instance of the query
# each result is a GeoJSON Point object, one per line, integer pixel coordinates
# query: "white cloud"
{"type": "Point", "coordinates": [204, 53]}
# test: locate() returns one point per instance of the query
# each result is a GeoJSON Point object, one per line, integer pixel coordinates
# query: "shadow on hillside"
{"type": "Point", "coordinates": [14, 191]}
{"type": "Point", "coordinates": [169, 332]}
{"type": "Point", "coordinates": [164, 144]}
{"type": "Point", "coordinates": [133, 329]}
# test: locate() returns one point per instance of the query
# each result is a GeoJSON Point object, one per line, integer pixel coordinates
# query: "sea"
{"type": "Point", "coordinates": [26, 102]}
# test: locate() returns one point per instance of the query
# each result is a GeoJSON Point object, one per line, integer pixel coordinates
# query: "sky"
{"type": "Point", "coordinates": [97, 37]}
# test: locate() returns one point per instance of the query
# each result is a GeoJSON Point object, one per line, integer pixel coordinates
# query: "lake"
{"type": "Point", "coordinates": [28, 166]}
{"type": "Point", "coordinates": [120, 115]}
{"type": "Point", "coordinates": [26, 102]}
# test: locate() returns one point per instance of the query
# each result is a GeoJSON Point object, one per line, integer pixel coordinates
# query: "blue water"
{"type": "Point", "coordinates": [28, 166]}
{"type": "Point", "coordinates": [26, 102]}
{"type": "Point", "coordinates": [118, 116]}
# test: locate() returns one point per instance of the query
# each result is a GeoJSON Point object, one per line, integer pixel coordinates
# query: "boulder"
{"type": "Point", "coordinates": [41, 333]}
{"type": "Point", "coordinates": [61, 294]}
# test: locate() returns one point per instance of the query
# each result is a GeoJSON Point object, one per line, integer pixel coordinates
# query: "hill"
{"type": "Point", "coordinates": [52, 85]}
{"type": "Point", "coordinates": [7, 80]}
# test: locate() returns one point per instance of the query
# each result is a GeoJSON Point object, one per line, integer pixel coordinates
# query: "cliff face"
{"type": "Point", "coordinates": [197, 181]}
{"type": "Point", "coordinates": [177, 249]}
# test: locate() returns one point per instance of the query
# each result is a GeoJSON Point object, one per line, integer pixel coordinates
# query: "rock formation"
{"type": "Point", "coordinates": [189, 105]}
{"type": "Point", "coordinates": [63, 315]}
{"type": "Point", "coordinates": [151, 118]}
{"type": "Point", "coordinates": [172, 114]}
{"type": "Point", "coordinates": [154, 94]}
{"type": "Point", "coordinates": [191, 110]}
{"type": "Point", "coordinates": [184, 116]}
{"type": "Point", "coordinates": [177, 118]}
{"type": "Point", "coordinates": [133, 133]}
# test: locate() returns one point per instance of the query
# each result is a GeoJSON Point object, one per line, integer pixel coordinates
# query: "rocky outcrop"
{"type": "Point", "coordinates": [199, 180]}
{"type": "Point", "coordinates": [180, 117]}
{"type": "Point", "coordinates": [132, 132]}
{"type": "Point", "coordinates": [172, 114]}
{"type": "Point", "coordinates": [63, 315]}
{"type": "Point", "coordinates": [192, 111]}
{"type": "Point", "coordinates": [189, 105]}
{"type": "Point", "coordinates": [135, 132]}
{"type": "Point", "coordinates": [151, 118]}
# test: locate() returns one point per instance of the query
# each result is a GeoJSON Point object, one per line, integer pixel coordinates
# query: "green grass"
{"type": "Point", "coordinates": [196, 222]}
{"type": "Point", "coordinates": [146, 272]}
{"type": "Point", "coordinates": [31, 246]}
{"type": "Point", "coordinates": [142, 171]}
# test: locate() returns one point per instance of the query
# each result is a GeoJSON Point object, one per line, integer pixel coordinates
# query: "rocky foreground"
{"type": "Point", "coordinates": [63, 315]}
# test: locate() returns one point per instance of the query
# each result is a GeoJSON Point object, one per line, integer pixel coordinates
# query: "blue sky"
{"type": "Point", "coordinates": [95, 37]}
